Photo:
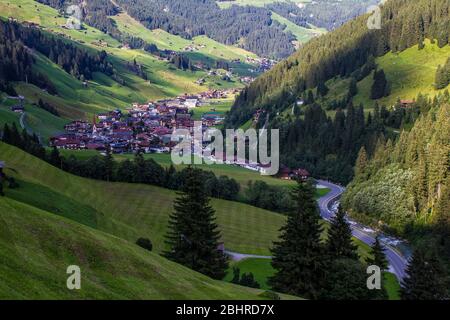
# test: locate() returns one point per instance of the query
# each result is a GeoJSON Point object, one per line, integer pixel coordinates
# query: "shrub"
{"type": "Point", "coordinates": [145, 243]}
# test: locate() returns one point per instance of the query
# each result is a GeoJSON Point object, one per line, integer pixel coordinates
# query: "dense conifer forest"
{"type": "Point", "coordinates": [404, 185]}
{"type": "Point", "coordinates": [17, 47]}
{"type": "Point", "coordinates": [344, 52]}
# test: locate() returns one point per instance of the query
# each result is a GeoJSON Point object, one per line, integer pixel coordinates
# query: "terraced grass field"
{"type": "Point", "coordinates": [36, 247]}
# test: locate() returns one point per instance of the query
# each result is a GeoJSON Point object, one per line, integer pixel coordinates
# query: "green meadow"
{"type": "Point", "coordinates": [36, 247]}
{"type": "Point", "coordinates": [408, 73]}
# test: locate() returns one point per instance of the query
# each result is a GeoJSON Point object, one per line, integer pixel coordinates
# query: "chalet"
{"type": "Point", "coordinates": [67, 141]}
{"type": "Point", "coordinates": [18, 109]}
{"type": "Point", "coordinates": [285, 174]}
{"type": "Point", "coordinates": [78, 126]}
{"type": "Point", "coordinates": [302, 174]}
{"type": "Point", "coordinates": [191, 103]}
{"type": "Point", "coordinates": [406, 104]}
{"type": "Point", "coordinates": [96, 146]}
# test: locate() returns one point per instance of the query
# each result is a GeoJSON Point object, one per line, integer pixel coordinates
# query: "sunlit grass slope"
{"type": "Point", "coordinates": [36, 247]}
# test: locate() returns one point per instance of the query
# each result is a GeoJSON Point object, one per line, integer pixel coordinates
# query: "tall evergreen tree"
{"type": "Point", "coordinates": [378, 256]}
{"type": "Point", "coordinates": [380, 87]}
{"type": "Point", "coordinates": [193, 236]}
{"type": "Point", "coordinates": [352, 89]}
{"type": "Point", "coordinates": [361, 162]}
{"type": "Point", "coordinates": [346, 280]}
{"type": "Point", "coordinates": [426, 278]}
{"type": "Point", "coordinates": [298, 257]}
{"type": "Point", "coordinates": [6, 134]}
{"type": "Point", "coordinates": [340, 243]}
{"type": "Point", "coordinates": [109, 163]}
{"type": "Point", "coordinates": [322, 89]}
{"type": "Point", "coordinates": [55, 158]}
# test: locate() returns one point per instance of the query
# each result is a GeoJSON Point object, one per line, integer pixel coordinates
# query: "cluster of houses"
{"type": "Point", "coordinates": [145, 127]}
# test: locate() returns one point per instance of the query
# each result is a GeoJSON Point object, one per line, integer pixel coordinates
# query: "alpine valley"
{"type": "Point", "coordinates": [91, 92]}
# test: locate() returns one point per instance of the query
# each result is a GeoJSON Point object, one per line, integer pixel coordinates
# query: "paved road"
{"type": "Point", "coordinates": [396, 260]}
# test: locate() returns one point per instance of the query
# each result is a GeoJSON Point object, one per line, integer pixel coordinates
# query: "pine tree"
{"type": "Point", "coordinates": [380, 86]}
{"type": "Point", "coordinates": [109, 164]}
{"type": "Point", "coordinates": [298, 257]}
{"type": "Point", "coordinates": [425, 278]}
{"type": "Point", "coordinates": [6, 134]}
{"type": "Point", "coordinates": [346, 280]}
{"type": "Point", "coordinates": [193, 236]}
{"type": "Point", "coordinates": [340, 243]}
{"type": "Point", "coordinates": [236, 275]}
{"type": "Point", "coordinates": [55, 158]}
{"type": "Point", "coordinates": [352, 89]}
{"type": "Point", "coordinates": [378, 256]}
{"type": "Point", "coordinates": [322, 89]}
{"type": "Point", "coordinates": [361, 162]}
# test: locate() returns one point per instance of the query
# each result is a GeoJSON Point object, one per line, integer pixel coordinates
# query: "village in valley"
{"type": "Point", "coordinates": [143, 128]}
{"type": "Point", "coordinates": [148, 128]}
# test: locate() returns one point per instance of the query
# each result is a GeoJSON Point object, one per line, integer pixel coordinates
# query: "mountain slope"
{"type": "Point", "coordinates": [162, 78]}
{"type": "Point", "coordinates": [405, 183]}
{"type": "Point", "coordinates": [343, 53]}
{"type": "Point", "coordinates": [36, 248]}
{"type": "Point", "coordinates": [131, 211]}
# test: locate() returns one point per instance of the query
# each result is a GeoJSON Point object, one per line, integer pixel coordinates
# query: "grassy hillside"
{"type": "Point", "coordinates": [409, 73]}
{"type": "Point", "coordinates": [36, 120]}
{"type": "Point", "coordinates": [36, 248]}
{"type": "Point", "coordinates": [302, 34]}
{"type": "Point", "coordinates": [165, 40]}
{"type": "Point", "coordinates": [256, 3]}
{"type": "Point", "coordinates": [102, 92]}
{"type": "Point", "coordinates": [131, 211]}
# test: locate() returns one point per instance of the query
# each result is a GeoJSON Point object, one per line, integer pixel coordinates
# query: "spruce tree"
{"type": "Point", "coordinates": [361, 162]}
{"type": "Point", "coordinates": [380, 86]}
{"type": "Point", "coordinates": [298, 257]}
{"type": "Point", "coordinates": [193, 236]}
{"type": "Point", "coordinates": [6, 134]}
{"type": "Point", "coordinates": [55, 158]}
{"type": "Point", "coordinates": [425, 278]}
{"type": "Point", "coordinates": [109, 164]}
{"type": "Point", "coordinates": [352, 89]}
{"type": "Point", "coordinates": [378, 256]}
{"type": "Point", "coordinates": [322, 89]}
{"type": "Point", "coordinates": [346, 280]}
{"type": "Point", "coordinates": [340, 243]}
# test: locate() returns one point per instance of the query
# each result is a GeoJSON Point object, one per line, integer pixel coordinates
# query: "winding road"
{"type": "Point", "coordinates": [397, 261]}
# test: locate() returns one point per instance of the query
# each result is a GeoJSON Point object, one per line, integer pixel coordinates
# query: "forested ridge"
{"type": "Point", "coordinates": [328, 14]}
{"type": "Point", "coordinates": [250, 27]}
{"type": "Point", "coordinates": [328, 145]}
{"type": "Point", "coordinates": [16, 63]}
{"type": "Point", "coordinates": [19, 43]}
{"type": "Point", "coordinates": [404, 185]}
{"type": "Point", "coordinates": [340, 53]}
